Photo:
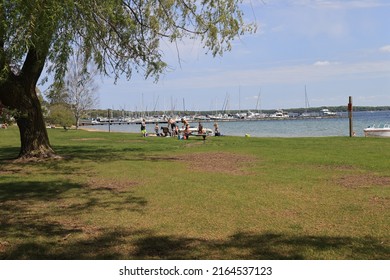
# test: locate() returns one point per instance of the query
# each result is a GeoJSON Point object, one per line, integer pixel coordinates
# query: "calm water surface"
{"type": "Point", "coordinates": [281, 128]}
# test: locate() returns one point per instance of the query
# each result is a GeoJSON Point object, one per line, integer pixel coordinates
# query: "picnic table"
{"type": "Point", "coordinates": [194, 132]}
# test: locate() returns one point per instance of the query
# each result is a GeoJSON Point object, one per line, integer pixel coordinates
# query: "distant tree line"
{"type": "Point", "coordinates": [112, 113]}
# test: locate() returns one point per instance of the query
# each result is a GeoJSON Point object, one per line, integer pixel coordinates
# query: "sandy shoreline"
{"type": "Point", "coordinates": [98, 130]}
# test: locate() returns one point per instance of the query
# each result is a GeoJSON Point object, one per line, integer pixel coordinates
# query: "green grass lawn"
{"type": "Point", "coordinates": [121, 196]}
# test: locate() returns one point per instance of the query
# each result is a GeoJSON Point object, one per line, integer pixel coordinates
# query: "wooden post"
{"type": "Point", "coordinates": [350, 116]}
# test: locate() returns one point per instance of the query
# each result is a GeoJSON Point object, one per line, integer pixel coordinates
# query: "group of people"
{"type": "Point", "coordinates": [173, 129]}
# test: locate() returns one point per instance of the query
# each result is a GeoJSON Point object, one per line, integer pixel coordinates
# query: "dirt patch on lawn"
{"type": "Point", "coordinates": [336, 167]}
{"type": "Point", "coordinates": [383, 202]}
{"type": "Point", "coordinates": [363, 180]}
{"type": "Point", "coordinates": [11, 170]}
{"type": "Point", "coordinates": [219, 162]}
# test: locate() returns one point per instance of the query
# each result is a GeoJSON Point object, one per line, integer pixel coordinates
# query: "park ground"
{"type": "Point", "coordinates": [123, 196]}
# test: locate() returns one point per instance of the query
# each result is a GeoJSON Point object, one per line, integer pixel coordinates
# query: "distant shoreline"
{"type": "Point", "coordinates": [284, 127]}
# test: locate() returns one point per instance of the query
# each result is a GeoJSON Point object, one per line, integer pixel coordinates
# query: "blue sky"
{"type": "Point", "coordinates": [335, 48]}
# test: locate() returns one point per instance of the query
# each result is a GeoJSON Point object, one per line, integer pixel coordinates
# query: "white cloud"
{"type": "Point", "coordinates": [209, 84]}
{"type": "Point", "coordinates": [322, 63]}
{"type": "Point", "coordinates": [385, 49]}
{"type": "Point", "coordinates": [221, 78]}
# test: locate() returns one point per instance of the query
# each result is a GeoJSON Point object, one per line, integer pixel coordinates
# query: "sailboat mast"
{"type": "Point", "coordinates": [239, 98]}
{"type": "Point", "coordinates": [307, 105]}
{"type": "Point", "coordinates": [155, 104]}
{"type": "Point", "coordinates": [258, 100]}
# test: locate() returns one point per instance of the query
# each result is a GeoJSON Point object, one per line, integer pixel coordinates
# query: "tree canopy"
{"type": "Point", "coordinates": [118, 36]}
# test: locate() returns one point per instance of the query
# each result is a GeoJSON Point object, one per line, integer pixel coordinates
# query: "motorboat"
{"type": "Point", "coordinates": [325, 112]}
{"type": "Point", "coordinates": [201, 118]}
{"type": "Point", "coordinates": [382, 130]}
{"type": "Point", "coordinates": [279, 114]}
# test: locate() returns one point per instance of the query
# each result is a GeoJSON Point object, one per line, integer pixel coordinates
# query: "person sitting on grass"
{"type": "Point", "coordinates": [165, 130]}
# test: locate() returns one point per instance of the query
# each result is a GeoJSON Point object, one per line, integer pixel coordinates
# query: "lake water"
{"type": "Point", "coordinates": [281, 128]}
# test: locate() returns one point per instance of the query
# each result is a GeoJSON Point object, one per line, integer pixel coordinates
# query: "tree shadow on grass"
{"type": "Point", "coordinates": [82, 152]}
{"type": "Point", "coordinates": [78, 153]}
{"type": "Point", "coordinates": [137, 245]}
{"type": "Point", "coordinates": [35, 190]}
{"type": "Point", "coordinates": [105, 154]}
{"type": "Point", "coordinates": [20, 195]}
{"type": "Point", "coordinates": [8, 153]}
{"type": "Point", "coordinates": [38, 218]}
{"type": "Point", "coordinates": [270, 246]}
{"type": "Point", "coordinates": [30, 231]}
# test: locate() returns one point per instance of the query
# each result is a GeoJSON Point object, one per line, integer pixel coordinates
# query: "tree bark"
{"type": "Point", "coordinates": [33, 134]}
{"type": "Point", "coordinates": [34, 139]}
{"type": "Point", "coordinates": [18, 92]}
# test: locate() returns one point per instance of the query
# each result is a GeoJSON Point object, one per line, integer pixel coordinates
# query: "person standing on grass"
{"type": "Point", "coordinates": [156, 129]}
{"type": "Point", "coordinates": [187, 132]}
{"type": "Point", "coordinates": [172, 123]}
{"type": "Point", "coordinates": [143, 128]}
{"type": "Point", "coordinates": [216, 129]}
{"type": "Point", "coordinates": [185, 122]}
{"type": "Point", "coordinates": [200, 128]}
{"type": "Point", "coordinates": [176, 130]}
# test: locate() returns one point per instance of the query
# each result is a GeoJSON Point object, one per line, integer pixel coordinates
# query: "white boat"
{"type": "Point", "coordinates": [279, 114]}
{"type": "Point", "coordinates": [377, 131]}
{"type": "Point", "coordinates": [251, 115]}
{"type": "Point", "coordinates": [201, 118]}
{"type": "Point", "coordinates": [326, 112]}
{"type": "Point", "coordinates": [217, 117]}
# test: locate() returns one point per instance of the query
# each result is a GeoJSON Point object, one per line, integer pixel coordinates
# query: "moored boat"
{"type": "Point", "coordinates": [377, 131]}
{"type": "Point", "coordinates": [279, 114]}
{"type": "Point", "coordinates": [325, 112]}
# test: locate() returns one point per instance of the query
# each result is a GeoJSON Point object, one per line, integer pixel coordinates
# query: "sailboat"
{"type": "Point", "coordinates": [307, 105]}
{"type": "Point", "coordinates": [258, 114]}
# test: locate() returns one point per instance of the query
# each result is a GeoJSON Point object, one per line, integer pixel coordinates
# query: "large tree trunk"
{"type": "Point", "coordinates": [33, 134]}
{"type": "Point", "coordinates": [18, 92]}
{"type": "Point", "coordinates": [21, 96]}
